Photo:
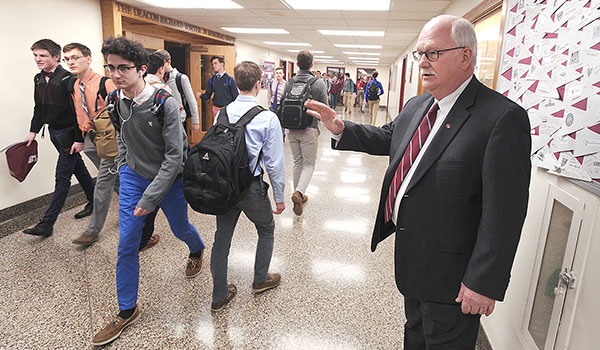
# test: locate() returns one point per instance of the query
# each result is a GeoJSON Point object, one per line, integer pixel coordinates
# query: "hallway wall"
{"type": "Point", "coordinates": [25, 22]}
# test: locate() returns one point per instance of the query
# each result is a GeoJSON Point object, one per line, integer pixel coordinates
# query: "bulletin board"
{"type": "Point", "coordinates": [551, 67]}
{"type": "Point", "coordinates": [268, 75]}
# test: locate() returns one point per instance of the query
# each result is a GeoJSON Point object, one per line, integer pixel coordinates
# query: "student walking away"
{"type": "Point", "coordinates": [181, 89]}
{"type": "Point", "coordinates": [349, 90]}
{"type": "Point", "coordinates": [152, 149]}
{"type": "Point", "coordinates": [374, 90]}
{"type": "Point", "coordinates": [156, 72]}
{"type": "Point", "coordinates": [53, 106]}
{"type": "Point", "coordinates": [455, 192]}
{"type": "Point", "coordinates": [222, 85]}
{"type": "Point", "coordinates": [89, 91]}
{"type": "Point", "coordinates": [264, 142]}
{"type": "Point", "coordinates": [301, 128]}
{"type": "Point", "coordinates": [362, 86]}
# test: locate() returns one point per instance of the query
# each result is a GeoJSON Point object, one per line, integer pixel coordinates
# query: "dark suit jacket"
{"type": "Point", "coordinates": [461, 217]}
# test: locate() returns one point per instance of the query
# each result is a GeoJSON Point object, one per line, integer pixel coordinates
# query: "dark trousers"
{"type": "Point", "coordinates": [67, 166]}
{"type": "Point", "coordinates": [436, 326]}
{"type": "Point", "coordinates": [334, 98]}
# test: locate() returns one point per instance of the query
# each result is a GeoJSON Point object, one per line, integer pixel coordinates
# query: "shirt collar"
{"type": "Point", "coordinates": [142, 96]}
{"type": "Point", "coordinates": [448, 102]}
{"type": "Point", "coordinates": [246, 98]}
{"type": "Point", "coordinates": [88, 77]}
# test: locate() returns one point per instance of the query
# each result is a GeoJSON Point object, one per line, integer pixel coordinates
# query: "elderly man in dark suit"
{"type": "Point", "coordinates": [455, 192]}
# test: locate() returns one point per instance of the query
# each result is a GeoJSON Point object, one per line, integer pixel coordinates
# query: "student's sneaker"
{"type": "Point", "coordinates": [114, 329]}
{"type": "Point", "coordinates": [194, 266]}
{"type": "Point", "coordinates": [218, 306]}
{"type": "Point", "coordinates": [272, 281]}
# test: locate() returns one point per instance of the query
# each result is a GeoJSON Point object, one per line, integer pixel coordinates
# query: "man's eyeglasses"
{"type": "Point", "coordinates": [122, 68]}
{"type": "Point", "coordinates": [72, 58]}
{"type": "Point", "coordinates": [432, 55]}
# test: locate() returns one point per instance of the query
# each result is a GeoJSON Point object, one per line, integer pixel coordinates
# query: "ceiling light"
{"type": "Point", "coordinates": [352, 32]}
{"type": "Point", "coordinates": [352, 46]}
{"type": "Point", "coordinates": [366, 64]}
{"type": "Point", "coordinates": [296, 51]}
{"type": "Point", "coordinates": [329, 61]}
{"type": "Point", "coordinates": [256, 30]}
{"type": "Point", "coordinates": [364, 58]}
{"type": "Point", "coordinates": [193, 4]}
{"type": "Point", "coordinates": [346, 5]}
{"type": "Point", "coordinates": [322, 56]}
{"type": "Point", "coordinates": [361, 53]}
{"type": "Point", "coordinates": [285, 44]}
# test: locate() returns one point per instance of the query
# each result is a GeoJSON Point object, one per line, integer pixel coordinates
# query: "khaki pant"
{"type": "Point", "coordinates": [373, 108]}
{"type": "Point", "coordinates": [304, 150]}
{"type": "Point", "coordinates": [348, 101]}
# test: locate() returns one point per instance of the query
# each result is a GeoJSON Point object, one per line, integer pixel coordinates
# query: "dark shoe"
{"type": "Point", "coordinates": [272, 281]}
{"type": "Point", "coordinates": [85, 239]}
{"type": "Point", "coordinates": [151, 242]}
{"type": "Point", "coordinates": [194, 266]}
{"type": "Point", "coordinates": [304, 198]}
{"type": "Point", "coordinates": [114, 329]}
{"type": "Point", "coordinates": [43, 229]}
{"type": "Point", "coordinates": [298, 203]}
{"type": "Point", "coordinates": [87, 211]}
{"type": "Point", "coordinates": [218, 306]}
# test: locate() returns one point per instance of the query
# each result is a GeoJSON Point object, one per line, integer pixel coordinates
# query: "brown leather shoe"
{"type": "Point", "coordinates": [85, 239]}
{"type": "Point", "coordinates": [298, 203]}
{"type": "Point", "coordinates": [194, 266]}
{"type": "Point", "coordinates": [151, 242]}
{"type": "Point", "coordinates": [304, 198]}
{"type": "Point", "coordinates": [218, 306]}
{"type": "Point", "coordinates": [114, 329]}
{"type": "Point", "coordinates": [272, 281]}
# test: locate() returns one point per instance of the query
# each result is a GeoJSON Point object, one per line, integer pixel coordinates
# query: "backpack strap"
{"type": "Point", "coordinates": [160, 96]}
{"type": "Point", "coordinates": [102, 93]}
{"type": "Point", "coordinates": [71, 85]}
{"type": "Point", "coordinates": [211, 81]}
{"type": "Point", "coordinates": [184, 101]}
{"type": "Point", "coordinates": [112, 106]}
{"type": "Point", "coordinates": [248, 116]}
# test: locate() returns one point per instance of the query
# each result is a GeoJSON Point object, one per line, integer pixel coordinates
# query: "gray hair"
{"type": "Point", "coordinates": [463, 32]}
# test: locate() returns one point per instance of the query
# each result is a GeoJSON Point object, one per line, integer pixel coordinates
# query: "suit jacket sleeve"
{"type": "Point", "coordinates": [365, 138]}
{"type": "Point", "coordinates": [506, 172]}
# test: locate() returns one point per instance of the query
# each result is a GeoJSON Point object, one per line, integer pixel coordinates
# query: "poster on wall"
{"type": "Point", "coordinates": [549, 66]}
{"type": "Point", "coordinates": [268, 75]}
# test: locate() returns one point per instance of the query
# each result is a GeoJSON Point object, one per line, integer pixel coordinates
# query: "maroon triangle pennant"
{"type": "Point", "coordinates": [534, 86]}
{"type": "Point", "coordinates": [526, 61]}
{"type": "Point", "coordinates": [511, 52]}
{"type": "Point", "coordinates": [508, 74]}
{"type": "Point", "coordinates": [595, 128]}
{"type": "Point", "coordinates": [581, 104]}
{"type": "Point", "coordinates": [559, 114]}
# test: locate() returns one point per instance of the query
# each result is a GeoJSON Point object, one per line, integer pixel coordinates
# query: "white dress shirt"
{"type": "Point", "coordinates": [445, 105]}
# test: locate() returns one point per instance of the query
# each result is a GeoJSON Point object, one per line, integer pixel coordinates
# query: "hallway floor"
{"type": "Point", "coordinates": [335, 293]}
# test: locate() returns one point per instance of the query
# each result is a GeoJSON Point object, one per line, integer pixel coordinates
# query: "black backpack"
{"type": "Point", "coordinates": [217, 172]}
{"type": "Point", "coordinates": [291, 112]}
{"type": "Point", "coordinates": [373, 91]}
{"type": "Point", "coordinates": [184, 101]}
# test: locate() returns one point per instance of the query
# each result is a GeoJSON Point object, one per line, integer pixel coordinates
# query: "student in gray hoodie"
{"type": "Point", "coordinates": [150, 162]}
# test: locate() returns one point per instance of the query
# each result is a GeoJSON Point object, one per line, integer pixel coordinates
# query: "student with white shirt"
{"type": "Point", "coordinates": [152, 151]}
{"type": "Point", "coordinates": [264, 141]}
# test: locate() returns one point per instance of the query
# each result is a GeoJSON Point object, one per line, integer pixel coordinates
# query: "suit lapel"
{"type": "Point", "coordinates": [456, 118]}
{"type": "Point", "coordinates": [405, 140]}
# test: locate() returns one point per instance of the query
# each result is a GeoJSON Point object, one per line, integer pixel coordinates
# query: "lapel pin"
{"type": "Point", "coordinates": [448, 126]}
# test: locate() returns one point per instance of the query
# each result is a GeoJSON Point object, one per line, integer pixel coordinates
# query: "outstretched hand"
{"type": "Point", "coordinates": [326, 115]}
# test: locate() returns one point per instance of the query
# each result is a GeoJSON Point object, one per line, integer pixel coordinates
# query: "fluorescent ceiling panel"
{"type": "Point", "coordinates": [193, 4]}
{"type": "Point", "coordinates": [352, 32]}
{"type": "Point", "coordinates": [346, 5]}
{"type": "Point", "coordinates": [364, 58]}
{"type": "Point", "coordinates": [361, 53]}
{"type": "Point", "coordinates": [353, 46]}
{"type": "Point", "coordinates": [296, 51]}
{"type": "Point", "coordinates": [366, 64]}
{"type": "Point", "coordinates": [256, 30]}
{"type": "Point", "coordinates": [322, 56]}
{"type": "Point", "coordinates": [329, 61]}
{"type": "Point", "coordinates": [285, 43]}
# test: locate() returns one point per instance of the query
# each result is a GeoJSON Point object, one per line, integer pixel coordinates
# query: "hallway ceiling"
{"type": "Point", "coordinates": [401, 25]}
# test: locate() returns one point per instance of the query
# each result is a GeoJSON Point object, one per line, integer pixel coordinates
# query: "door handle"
{"type": "Point", "coordinates": [567, 278]}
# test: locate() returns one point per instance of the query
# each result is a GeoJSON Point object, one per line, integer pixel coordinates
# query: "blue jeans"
{"type": "Point", "coordinates": [333, 102]}
{"type": "Point", "coordinates": [67, 166]}
{"type": "Point", "coordinates": [173, 206]}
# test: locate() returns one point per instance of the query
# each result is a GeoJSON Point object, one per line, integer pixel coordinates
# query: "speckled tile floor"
{"type": "Point", "coordinates": [335, 293]}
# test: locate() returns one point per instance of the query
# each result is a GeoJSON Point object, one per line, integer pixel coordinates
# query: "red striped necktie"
{"type": "Point", "coordinates": [410, 155]}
